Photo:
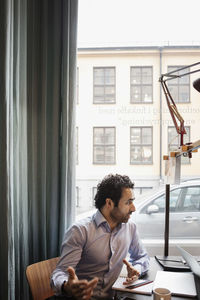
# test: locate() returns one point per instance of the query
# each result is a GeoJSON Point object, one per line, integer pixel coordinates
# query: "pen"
{"type": "Point", "coordinates": [138, 284]}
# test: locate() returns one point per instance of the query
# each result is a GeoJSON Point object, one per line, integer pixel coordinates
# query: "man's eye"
{"type": "Point", "coordinates": [129, 202]}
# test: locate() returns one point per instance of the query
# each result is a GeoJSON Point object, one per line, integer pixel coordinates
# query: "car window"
{"type": "Point", "coordinates": [160, 201]}
{"type": "Point", "coordinates": [192, 199]}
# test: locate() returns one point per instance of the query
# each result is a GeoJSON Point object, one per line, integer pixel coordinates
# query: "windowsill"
{"type": "Point", "coordinates": [142, 163]}
{"type": "Point", "coordinates": [139, 103]}
{"type": "Point", "coordinates": [100, 103]}
{"type": "Point", "coordinates": [104, 164]}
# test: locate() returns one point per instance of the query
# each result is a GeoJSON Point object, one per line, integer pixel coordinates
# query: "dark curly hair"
{"type": "Point", "coordinates": [111, 187]}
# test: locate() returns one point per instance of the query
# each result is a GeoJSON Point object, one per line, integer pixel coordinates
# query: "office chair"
{"type": "Point", "coordinates": [38, 276]}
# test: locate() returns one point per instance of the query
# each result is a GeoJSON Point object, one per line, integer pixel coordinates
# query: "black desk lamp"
{"type": "Point", "coordinates": [187, 151]}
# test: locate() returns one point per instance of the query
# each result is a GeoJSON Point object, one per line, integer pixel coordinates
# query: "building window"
{"type": "Point", "coordinates": [104, 145]}
{"type": "Point", "coordinates": [141, 145]}
{"type": "Point", "coordinates": [179, 87]}
{"type": "Point", "coordinates": [174, 141]}
{"type": "Point", "coordinates": [77, 145]}
{"type": "Point", "coordinates": [104, 85]}
{"type": "Point", "coordinates": [77, 86]}
{"type": "Point", "coordinates": [77, 197]}
{"type": "Point", "coordinates": [141, 84]}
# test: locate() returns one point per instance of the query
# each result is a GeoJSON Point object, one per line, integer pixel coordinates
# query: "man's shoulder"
{"type": "Point", "coordinates": [85, 215]}
{"type": "Point", "coordinates": [84, 222]}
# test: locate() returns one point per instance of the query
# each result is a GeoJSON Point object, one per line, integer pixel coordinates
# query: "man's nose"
{"type": "Point", "coordinates": [133, 207]}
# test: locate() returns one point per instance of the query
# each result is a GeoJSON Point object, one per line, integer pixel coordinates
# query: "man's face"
{"type": "Point", "coordinates": [122, 212]}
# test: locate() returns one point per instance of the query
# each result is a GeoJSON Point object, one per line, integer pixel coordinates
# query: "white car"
{"type": "Point", "coordinates": [184, 217]}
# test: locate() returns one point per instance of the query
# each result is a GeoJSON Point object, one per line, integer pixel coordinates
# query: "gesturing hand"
{"type": "Point", "coordinates": [79, 289]}
{"type": "Point", "coordinates": [132, 274]}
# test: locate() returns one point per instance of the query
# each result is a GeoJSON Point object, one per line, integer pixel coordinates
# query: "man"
{"type": "Point", "coordinates": [94, 249]}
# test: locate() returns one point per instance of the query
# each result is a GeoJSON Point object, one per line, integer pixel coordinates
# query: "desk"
{"type": "Point", "coordinates": [154, 267]}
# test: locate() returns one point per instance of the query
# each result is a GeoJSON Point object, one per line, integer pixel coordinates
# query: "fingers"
{"type": "Point", "coordinates": [72, 274]}
{"type": "Point", "coordinates": [133, 274]}
{"type": "Point", "coordinates": [88, 293]}
{"type": "Point", "coordinates": [137, 273]}
{"type": "Point", "coordinates": [130, 279]}
{"type": "Point", "coordinates": [92, 283]}
{"type": "Point", "coordinates": [85, 284]}
{"type": "Point", "coordinates": [126, 263]}
{"type": "Point", "coordinates": [131, 268]}
{"type": "Point", "coordinates": [80, 284]}
{"type": "Point", "coordinates": [83, 289]}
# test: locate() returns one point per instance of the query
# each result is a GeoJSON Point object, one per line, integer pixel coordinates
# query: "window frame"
{"type": "Point", "coordinates": [178, 85]}
{"type": "Point", "coordinates": [105, 127]}
{"type": "Point", "coordinates": [104, 86]}
{"type": "Point", "coordinates": [141, 85]}
{"type": "Point", "coordinates": [140, 162]}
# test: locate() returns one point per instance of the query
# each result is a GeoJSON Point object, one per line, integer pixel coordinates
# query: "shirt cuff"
{"type": "Point", "coordinates": [56, 284]}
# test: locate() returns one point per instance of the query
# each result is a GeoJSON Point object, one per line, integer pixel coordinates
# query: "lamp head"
{"type": "Point", "coordinates": [196, 84]}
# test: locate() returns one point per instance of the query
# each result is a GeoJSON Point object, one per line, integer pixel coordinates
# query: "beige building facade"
{"type": "Point", "coordinates": [123, 122]}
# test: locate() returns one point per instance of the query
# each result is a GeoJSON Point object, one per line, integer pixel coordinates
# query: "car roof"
{"type": "Point", "coordinates": [156, 192]}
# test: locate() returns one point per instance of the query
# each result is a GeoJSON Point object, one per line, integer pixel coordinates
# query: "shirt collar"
{"type": "Point", "coordinates": [99, 218]}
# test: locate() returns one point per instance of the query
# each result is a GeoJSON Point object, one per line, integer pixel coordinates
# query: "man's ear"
{"type": "Point", "coordinates": [109, 203]}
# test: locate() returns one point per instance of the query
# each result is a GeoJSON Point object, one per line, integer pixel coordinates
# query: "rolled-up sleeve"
{"type": "Point", "coordinates": [70, 255]}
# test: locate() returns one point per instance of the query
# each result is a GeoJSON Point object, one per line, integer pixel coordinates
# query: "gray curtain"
{"type": "Point", "coordinates": [37, 130]}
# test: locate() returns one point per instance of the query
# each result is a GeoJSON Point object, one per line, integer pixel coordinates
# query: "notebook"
{"type": "Point", "coordinates": [145, 287]}
{"type": "Point", "coordinates": [179, 283]}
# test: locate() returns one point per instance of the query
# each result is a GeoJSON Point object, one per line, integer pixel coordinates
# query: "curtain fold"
{"type": "Point", "coordinates": [37, 134]}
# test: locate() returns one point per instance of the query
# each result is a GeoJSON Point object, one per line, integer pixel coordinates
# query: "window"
{"type": "Point", "coordinates": [77, 145]}
{"type": "Point", "coordinates": [160, 201]}
{"type": "Point", "coordinates": [174, 141]}
{"type": "Point", "coordinates": [104, 85]}
{"type": "Point", "coordinates": [192, 199]}
{"type": "Point", "coordinates": [141, 145]}
{"type": "Point", "coordinates": [179, 88]}
{"type": "Point", "coordinates": [104, 145]}
{"type": "Point", "coordinates": [141, 85]}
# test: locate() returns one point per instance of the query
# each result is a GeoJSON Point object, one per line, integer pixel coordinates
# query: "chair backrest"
{"type": "Point", "coordinates": [38, 276]}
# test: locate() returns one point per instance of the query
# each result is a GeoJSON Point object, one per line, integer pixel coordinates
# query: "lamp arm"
{"type": "Point", "coordinates": [174, 111]}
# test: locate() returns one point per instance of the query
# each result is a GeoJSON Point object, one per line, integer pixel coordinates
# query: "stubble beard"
{"type": "Point", "coordinates": [119, 220]}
